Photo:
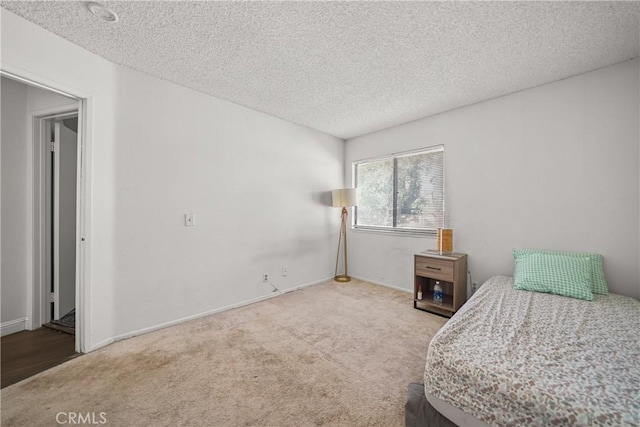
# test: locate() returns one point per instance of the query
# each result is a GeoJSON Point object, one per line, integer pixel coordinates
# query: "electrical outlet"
{"type": "Point", "coordinates": [265, 278]}
{"type": "Point", "coordinates": [474, 287]}
{"type": "Point", "coordinates": [189, 219]}
{"type": "Point", "coordinates": [285, 271]}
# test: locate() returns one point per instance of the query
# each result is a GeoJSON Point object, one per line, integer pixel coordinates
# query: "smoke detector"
{"type": "Point", "coordinates": [102, 12]}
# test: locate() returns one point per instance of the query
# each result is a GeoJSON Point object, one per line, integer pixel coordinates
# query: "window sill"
{"type": "Point", "coordinates": [395, 231]}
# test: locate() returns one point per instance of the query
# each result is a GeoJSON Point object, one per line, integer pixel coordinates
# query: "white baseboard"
{"type": "Point", "coordinates": [386, 285]}
{"type": "Point", "coordinates": [13, 326]}
{"type": "Point", "coordinates": [99, 345]}
{"type": "Point", "coordinates": [207, 313]}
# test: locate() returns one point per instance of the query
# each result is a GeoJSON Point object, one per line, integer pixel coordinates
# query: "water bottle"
{"type": "Point", "coordinates": [437, 293]}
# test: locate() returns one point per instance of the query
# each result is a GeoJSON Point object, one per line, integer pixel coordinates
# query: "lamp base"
{"type": "Point", "coordinates": [342, 278]}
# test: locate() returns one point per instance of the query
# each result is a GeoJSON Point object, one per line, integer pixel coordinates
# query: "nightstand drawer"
{"type": "Point", "coordinates": [438, 269]}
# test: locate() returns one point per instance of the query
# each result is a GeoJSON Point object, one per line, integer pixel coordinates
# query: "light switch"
{"type": "Point", "coordinates": [189, 219]}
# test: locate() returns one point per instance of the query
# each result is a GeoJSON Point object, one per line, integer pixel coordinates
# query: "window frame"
{"type": "Point", "coordinates": [421, 232]}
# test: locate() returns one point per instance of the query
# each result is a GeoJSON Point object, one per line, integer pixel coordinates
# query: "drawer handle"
{"type": "Point", "coordinates": [433, 268]}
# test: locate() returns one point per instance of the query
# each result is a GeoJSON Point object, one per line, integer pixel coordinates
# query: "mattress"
{"type": "Point", "coordinates": [511, 358]}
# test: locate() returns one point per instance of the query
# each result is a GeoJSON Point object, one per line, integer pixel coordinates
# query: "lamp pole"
{"type": "Point", "coordinates": [343, 198]}
{"type": "Point", "coordinates": [343, 231]}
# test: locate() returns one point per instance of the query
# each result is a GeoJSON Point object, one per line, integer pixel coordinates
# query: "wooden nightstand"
{"type": "Point", "coordinates": [451, 271]}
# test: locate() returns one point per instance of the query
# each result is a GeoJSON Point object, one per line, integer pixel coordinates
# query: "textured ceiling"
{"type": "Point", "coordinates": [349, 68]}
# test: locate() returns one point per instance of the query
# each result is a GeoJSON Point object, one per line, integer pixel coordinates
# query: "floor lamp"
{"type": "Point", "coordinates": [344, 198]}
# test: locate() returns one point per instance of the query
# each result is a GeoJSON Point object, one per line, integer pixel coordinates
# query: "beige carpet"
{"type": "Point", "coordinates": [330, 354]}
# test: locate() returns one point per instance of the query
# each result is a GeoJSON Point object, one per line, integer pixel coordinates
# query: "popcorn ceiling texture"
{"type": "Point", "coordinates": [350, 68]}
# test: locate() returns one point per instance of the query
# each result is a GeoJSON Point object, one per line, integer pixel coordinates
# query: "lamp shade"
{"type": "Point", "coordinates": [344, 197]}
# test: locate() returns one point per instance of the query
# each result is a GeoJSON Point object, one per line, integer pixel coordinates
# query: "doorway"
{"type": "Point", "coordinates": [30, 111]}
{"type": "Point", "coordinates": [44, 212]}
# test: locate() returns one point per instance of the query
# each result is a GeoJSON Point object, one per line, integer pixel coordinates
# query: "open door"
{"type": "Point", "coordinates": [63, 176]}
{"type": "Point", "coordinates": [65, 287]}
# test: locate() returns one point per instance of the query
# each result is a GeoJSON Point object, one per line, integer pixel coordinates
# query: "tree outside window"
{"type": "Point", "coordinates": [402, 192]}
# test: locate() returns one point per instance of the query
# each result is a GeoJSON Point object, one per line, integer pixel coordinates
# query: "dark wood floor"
{"type": "Point", "coordinates": [27, 353]}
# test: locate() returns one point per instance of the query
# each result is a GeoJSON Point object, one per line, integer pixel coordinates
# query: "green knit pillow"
{"type": "Point", "coordinates": [556, 274]}
{"type": "Point", "coordinates": [598, 283]}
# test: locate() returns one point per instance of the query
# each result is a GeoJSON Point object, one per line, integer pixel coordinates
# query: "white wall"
{"type": "Point", "coordinates": [39, 99]}
{"type": "Point", "coordinates": [14, 204]}
{"type": "Point", "coordinates": [254, 182]}
{"type": "Point", "coordinates": [554, 167]}
{"type": "Point", "coordinates": [258, 186]}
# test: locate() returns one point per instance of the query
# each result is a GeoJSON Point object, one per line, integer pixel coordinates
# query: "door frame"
{"type": "Point", "coordinates": [35, 191]}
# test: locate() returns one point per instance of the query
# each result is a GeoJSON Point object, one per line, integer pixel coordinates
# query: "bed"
{"type": "Point", "coordinates": [511, 357]}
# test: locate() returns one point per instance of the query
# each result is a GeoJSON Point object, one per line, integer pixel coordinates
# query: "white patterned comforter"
{"type": "Point", "coordinates": [512, 358]}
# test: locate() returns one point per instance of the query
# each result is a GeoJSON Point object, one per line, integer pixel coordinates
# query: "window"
{"type": "Point", "coordinates": [403, 192]}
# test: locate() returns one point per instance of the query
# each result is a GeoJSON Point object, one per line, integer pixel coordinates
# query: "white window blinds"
{"type": "Point", "coordinates": [401, 192]}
